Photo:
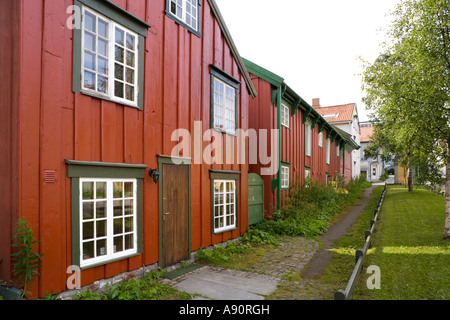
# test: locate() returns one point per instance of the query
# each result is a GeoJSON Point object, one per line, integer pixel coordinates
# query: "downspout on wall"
{"type": "Point", "coordinates": [276, 183]}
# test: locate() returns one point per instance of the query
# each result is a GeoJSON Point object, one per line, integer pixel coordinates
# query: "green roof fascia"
{"type": "Point", "coordinates": [262, 73]}
{"type": "Point", "coordinates": [291, 96]}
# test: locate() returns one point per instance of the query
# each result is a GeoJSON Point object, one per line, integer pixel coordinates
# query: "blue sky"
{"type": "Point", "coordinates": [314, 45]}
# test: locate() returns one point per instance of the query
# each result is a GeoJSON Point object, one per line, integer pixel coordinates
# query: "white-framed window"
{"type": "Point", "coordinates": [328, 151]}
{"type": "Point", "coordinates": [225, 210]}
{"type": "Point", "coordinates": [307, 172]}
{"type": "Point", "coordinates": [285, 174]}
{"type": "Point", "coordinates": [186, 12]}
{"type": "Point", "coordinates": [321, 139]}
{"type": "Point", "coordinates": [109, 59]}
{"type": "Point", "coordinates": [337, 150]}
{"type": "Point", "coordinates": [308, 139]}
{"type": "Point", "coordinates": [285, 115]}
{"type": "Point", "coordinates": [108, 219]}
{"type": "Point", "coordinates": [224, 106]}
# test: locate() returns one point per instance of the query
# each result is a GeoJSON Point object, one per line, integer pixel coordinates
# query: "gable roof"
{"type": "Point", "coordinates": [340, 113]}
{"type": "Point", "coordinates": [350, 144]}
{"type": "Point", "coordinates": [233, 49]}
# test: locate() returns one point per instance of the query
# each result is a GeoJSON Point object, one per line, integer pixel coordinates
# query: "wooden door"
{"type": "Point", "coordinates": [175, 213]}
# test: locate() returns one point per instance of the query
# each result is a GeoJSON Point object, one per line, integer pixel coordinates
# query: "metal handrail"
{"type": "Point", "coordinates": [360, 255]}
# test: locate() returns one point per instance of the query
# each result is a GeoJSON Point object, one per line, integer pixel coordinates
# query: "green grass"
{"type": "Point", "coordinates": [147, 288]}
{"type": "Point", "coordinates": [339, 270]}
{"type": "Point", "coordinates": [409, 248]}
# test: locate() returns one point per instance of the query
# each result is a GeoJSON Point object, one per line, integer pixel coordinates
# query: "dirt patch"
{"type": "Point", "coordinates": [315, 268]}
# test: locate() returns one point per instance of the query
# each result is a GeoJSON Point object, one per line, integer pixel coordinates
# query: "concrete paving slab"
{"type": "Point", "coordinates": [221, 285]}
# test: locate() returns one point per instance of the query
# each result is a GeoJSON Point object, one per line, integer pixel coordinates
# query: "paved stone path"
{"type": "Point", "coordinates": [288, 272]}
{"type": "Point", "coordinates": [271, 277]}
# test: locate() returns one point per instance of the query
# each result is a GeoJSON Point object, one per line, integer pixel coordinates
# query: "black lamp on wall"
{"type": "Point", "coordinates": [155, 175]}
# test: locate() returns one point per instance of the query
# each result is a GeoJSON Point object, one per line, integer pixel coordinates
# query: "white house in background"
{"type": "Point", "coordinates": [372, 167]}
{"type": "Point", "coordinates": [344, 117]}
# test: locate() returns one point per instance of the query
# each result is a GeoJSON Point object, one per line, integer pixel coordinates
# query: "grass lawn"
{"type": "Point", "coordinates": [340, 269]}
{"type": "Point", "coordinates": [409, 248]}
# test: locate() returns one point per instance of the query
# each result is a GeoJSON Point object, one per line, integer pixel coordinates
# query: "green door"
{"type": "Point", "coordinates": [255, 199]}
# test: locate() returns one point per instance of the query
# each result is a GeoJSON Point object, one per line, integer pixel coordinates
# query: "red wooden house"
{"type": "Point", "coordinates": [92, 93]}
{"type": "Point", "coordinates": [308, 145]}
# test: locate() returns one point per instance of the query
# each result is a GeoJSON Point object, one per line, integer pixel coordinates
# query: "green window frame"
{"type": "Point", "coordinates": [224, 202]}
{"type": "Point", "coordinates": [108, 174]}
{"type": "Point", "coordinates": [109, 62]}
{"type": "Point", "coordinates": [223, 87]}
{"type": "Point", "coordinates": [187, 13]}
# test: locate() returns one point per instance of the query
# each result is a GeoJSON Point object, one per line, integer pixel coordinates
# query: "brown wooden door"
{"type": "Point", "coordinates": [175, 214]}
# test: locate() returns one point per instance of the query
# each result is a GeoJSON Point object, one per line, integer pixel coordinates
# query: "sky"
{"type": "Point", "coordinates": [315, 45]}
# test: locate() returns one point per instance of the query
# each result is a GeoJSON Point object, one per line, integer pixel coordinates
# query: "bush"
{"type": "Point", "coordinates": [310, 207]}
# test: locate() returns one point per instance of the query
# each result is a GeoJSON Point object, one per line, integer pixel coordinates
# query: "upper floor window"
{"type": "Point", "coordinates": [285, 115]}
{"type": "Point", "coordinates": [308, 138]}
{"type": "Point", "coordinates": [185, 12]}
{"type": "Point", "coordinates": [328, 151]}
{"type": "Point", "coordinates": [108, 61]}
{"type": "Point", "coordinates": [321, 139]}
{"type": "Point", "coordinates": [109, 64]}
{"type": "Point", "coordinates": [224, 101]}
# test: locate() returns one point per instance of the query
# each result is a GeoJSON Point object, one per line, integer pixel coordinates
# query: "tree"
{"type": "Point", "coordinates": [408, 88]}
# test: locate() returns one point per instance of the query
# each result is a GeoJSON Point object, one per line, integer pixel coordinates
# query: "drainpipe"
{"type": "Point", "coordinates": [276, 183]}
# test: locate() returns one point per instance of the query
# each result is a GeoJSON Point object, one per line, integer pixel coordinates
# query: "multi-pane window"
{"type": "Point", "coordinates": [224, 205]}
{"type": "Point", "coordinates": [186, 11]}
{"type": "Point", "coordinates": [109, 58]}
{"type": "Point", "coordinates": [328, 151]}
{"type": "Point", "coordinates": [285, 116]}
{"type": "Point", "coordinates": [107, 219]}
{"type": "Point", "coordinates": [308, 139]}
{"type": "Point", "coordinates": [224, 106]}
{"type": "Point", "coordinates": [284, 177]}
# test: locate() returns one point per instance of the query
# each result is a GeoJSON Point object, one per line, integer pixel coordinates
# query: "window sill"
{"type": "Point", "coordinates": [220, 231]}
{"type": "Point", "coordinates": [114, 259]}
{"type": "Point", "coordinates": [108, 98]}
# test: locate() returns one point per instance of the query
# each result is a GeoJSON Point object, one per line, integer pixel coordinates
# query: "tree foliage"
{"type": "Point", "coordinates": [408, 89]}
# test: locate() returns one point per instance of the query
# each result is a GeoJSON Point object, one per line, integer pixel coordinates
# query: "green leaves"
{"type": "Point", "coordinates": [407, 87]}
{"type": "Point", "coordinates": [26, 260]}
